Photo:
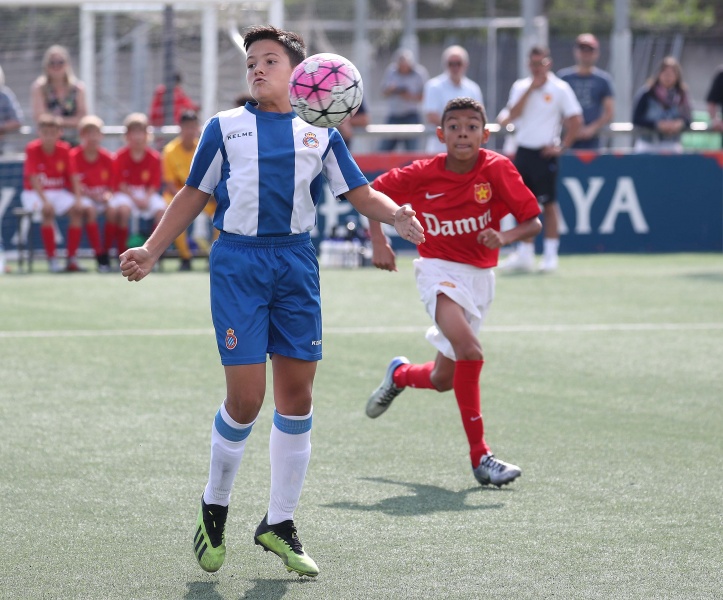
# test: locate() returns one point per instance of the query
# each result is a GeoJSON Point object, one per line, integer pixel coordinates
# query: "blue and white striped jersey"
{"type": "Point", "coordinates": [266, 170]}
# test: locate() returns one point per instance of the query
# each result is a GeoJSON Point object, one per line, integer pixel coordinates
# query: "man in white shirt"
{"type": "Point", "coordinates": [439, 90]}
{"type": "Point", "coordinates": [542, 108]}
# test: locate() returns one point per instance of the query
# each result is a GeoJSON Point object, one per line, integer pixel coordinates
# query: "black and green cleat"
{"type": "Point", "coordinates": [209, 543]}
{"type": "Point", "coordinates": [281, 539]}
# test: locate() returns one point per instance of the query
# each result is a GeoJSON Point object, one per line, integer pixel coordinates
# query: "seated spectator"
{"type": "Point", "coordinates": [47, 183]}
{"type": "Point", "coordinates": [11, 115]}
{"type": "Point", "coordinates": [403, 86]}
{"type": "Point", "coordinates": [176, 157]}
{"type": "Point", "coordinates": [138, 183]}
{"type": "Point", "coordinates": [662, 110]}
{"type": "Point", "coordinates": [58, 92]}
{"type": "Point", "coordinates": [181, 103]}
{"type": "Point", "coordinates": [93, 167]}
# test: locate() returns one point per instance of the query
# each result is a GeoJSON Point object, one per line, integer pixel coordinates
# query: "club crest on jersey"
{"type": "Point", "coordinates": [482, 192]}
{"type": "Point", "coordinates": [310, 140]}
{"type": "Point", "coordinates": [231, 340]}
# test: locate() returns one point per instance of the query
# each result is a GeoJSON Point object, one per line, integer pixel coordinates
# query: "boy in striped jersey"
{"type": "Point", "coordinates": [265, 167]}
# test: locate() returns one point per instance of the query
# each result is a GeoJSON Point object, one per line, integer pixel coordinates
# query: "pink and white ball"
{"type": "Point", "coordinates": [325, 89]}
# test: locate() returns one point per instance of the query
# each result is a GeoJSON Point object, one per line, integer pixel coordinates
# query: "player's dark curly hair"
{"type": "Point", "coordinates": [292, 42]}
{"type": "Point", "coordinates": [463, 103]}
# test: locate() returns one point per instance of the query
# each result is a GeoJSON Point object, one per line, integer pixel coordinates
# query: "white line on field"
{"type": "Point", "coordinates": [72, 333]}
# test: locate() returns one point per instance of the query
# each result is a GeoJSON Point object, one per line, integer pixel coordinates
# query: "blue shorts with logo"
{"type": "Point", "coordinates": [265, 298]}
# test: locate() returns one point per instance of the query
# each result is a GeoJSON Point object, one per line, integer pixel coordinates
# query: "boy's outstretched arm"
{"type": "Point", "coordinates": [136, 263]}
{"type": "Point", "coordinates": [380, 207]}
{"type": "Point", "coordinates": [496, 239]}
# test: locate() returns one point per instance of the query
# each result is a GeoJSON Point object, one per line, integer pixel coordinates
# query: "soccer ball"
{"type": "Point", "coordinates": [325, 89]}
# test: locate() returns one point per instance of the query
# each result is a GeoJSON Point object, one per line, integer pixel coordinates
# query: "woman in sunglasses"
{"type": "Point", "coordinates": [58, 92]}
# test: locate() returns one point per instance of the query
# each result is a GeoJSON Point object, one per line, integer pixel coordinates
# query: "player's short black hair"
{"type": "Point", "coordinates": [292, 42]}
{"type": "Point", "coordinates": [188, 116]}
{"type": "Point", "coordinates": [464, 103]}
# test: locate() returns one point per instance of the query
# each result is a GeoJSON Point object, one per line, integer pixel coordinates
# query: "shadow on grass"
{"type": "Point", "coordinates": [706, 276]}
{"type": "Point", "coordinates": [266, 589]}
{"type": "Point", "coordinates": [426, 499]}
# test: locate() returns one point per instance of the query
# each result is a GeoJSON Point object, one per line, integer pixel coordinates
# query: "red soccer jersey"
{"type": "Point", "coordinates": [94, 176]}
{"type": "Point", "coordinates": [144, 173]}
{"type": "Point", "coordinates": [54, 169]}
{"type": "Point", "coordinates": [453, 208]}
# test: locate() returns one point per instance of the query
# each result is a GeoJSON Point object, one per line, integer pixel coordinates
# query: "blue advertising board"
{"type": "Point", "coordinates": [608, 203]}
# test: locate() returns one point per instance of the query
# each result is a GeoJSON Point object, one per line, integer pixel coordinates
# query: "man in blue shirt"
{"type": "Point", "coordinates": [594, 90]}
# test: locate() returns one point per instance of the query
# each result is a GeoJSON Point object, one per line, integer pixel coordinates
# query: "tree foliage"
{"type": "Point", "coordinates": [570, 16]}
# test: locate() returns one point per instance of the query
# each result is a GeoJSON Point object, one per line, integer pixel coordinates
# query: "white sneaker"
{"type": "Point", "coordinates": [517, 262]}
{"type": "Point", "coordinates": [382, 397]}
{"type": "Point", "coordinates": [495, 471]}
{"type": "Point", "coordinates": [549, 264]}
{"type": "Point", "coordinates": [54, 265]}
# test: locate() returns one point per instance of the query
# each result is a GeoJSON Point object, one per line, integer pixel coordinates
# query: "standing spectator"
{"type": "Point", "coordinates": [540, 105]}
{"type": "Point", "coordinates": [138, 183]}
{"type": "Point", "coordinates": [439, 90]}
{"type": "Point", "coordinates": [181, 103]}
{"type": "Point", "coordinates": [403, 86]}
{"type": "Point", "coordinates": [662, 110]}
{"type": "Point", "coordinates": [176, 159]}
{"type": "Point", "coordinates": [359, 119]}
{"type": "Point", "coordinates": [58, 92]}
{"type": "Point", "coordinates": [715, 101]}
{"type": "Point", "coordinates": [48, 181]}
{"type": "Point", "coordinates": [93, 167]}
{"type": "Point", "coordinates": [594, 90]}
{"type": "Point", "coordinates": [11, 115]}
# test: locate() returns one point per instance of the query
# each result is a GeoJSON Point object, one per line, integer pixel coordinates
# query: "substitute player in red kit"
{"type": "Point", "coordinates": [138, 183]}
{"type": "Point", "coordinates": [49, 188]}
{"type": "Point", "coordinates": [93, 167]}
{"type": "Point", "coordinates": [460, 198]}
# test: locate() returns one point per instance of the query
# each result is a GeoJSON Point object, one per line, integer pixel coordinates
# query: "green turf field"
{"type": "Point", "coordinates": [604, 382]}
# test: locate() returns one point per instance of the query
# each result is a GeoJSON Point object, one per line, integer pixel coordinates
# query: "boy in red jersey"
{"type": "Point", "coordinates": [138, 183]}
{"type": "Point", "coordinates": [47, 186]}
{"type": "Point", "coordinates": [460, 198]}
{"type": "Point", "coordinates": [93, 168]}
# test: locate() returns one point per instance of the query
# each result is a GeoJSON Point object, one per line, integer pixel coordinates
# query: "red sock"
{"type": "Point", "coordinates": [122, 239]}
{"type": "Point", "coordinates": [416, 376]}
{"type": "Point", "coordinates": [74, 234]}
{"type": "Point", "coordinates": [110, 235]}
{"type": "Point", "coordinates": [466, 390]}
{"type": "Point", "coordinates": [47, 233]}
{"type": "Point", "coordinates": [94, 237]}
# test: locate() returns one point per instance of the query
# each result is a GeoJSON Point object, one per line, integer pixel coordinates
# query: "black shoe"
{"type": "Point", "coordinates": [209, 543]}
{"type": "Point", "coordinates": [185, 264]}
{"type": "Point", "coordinates": [103, 263]}
{"type": "Point", "coordinates": [281, 539]}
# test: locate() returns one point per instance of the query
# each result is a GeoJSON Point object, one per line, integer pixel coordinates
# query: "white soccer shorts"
{"type": "Point", "coordinates": [470, 287]}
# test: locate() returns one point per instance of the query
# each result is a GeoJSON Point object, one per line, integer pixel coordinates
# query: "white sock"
{"type": "Point", "coordinates": [228, 440]}
{"type": "Point", "coordinates": [290, 451]}
{"type": "Point", "coordinates": [550, 247]}
{"type": "Point", "coordinates": [526, 250]}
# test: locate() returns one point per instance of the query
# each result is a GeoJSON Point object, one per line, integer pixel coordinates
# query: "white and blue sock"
{"type": "Point", "coordinates": [228, 440]}
{"type": "Point", "coordinates": [290, 451]}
